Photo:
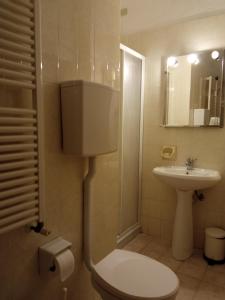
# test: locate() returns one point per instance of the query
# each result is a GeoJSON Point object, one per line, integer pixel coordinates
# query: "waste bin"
{"type": "Point", "coordinates": [214, 245]}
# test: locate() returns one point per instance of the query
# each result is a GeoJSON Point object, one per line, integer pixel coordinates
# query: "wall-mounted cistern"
{"type": "Point", "coordinates": [185, 180]}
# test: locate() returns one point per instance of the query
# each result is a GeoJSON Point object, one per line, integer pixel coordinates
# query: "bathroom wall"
{"type": "Point", "coordinates": [80, 40]}
{"type": "Point", "coordinates": [205, 144]}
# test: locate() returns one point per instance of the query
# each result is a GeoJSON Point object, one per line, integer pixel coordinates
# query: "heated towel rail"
{"type": "Point", "coordinates": [21, 146]}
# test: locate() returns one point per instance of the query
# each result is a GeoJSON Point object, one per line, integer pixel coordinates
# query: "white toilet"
{"type": "Point", "coordinates": [125, 275]}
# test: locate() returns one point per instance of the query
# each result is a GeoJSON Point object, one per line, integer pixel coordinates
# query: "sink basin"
{"type": "Point", "coordinates": [181, 179]}
{"type": "Point", "coordinates": [185, 182]}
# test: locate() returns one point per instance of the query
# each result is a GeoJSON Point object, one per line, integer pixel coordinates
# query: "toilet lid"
{"type": "Point", "coordinates": [136, 276]}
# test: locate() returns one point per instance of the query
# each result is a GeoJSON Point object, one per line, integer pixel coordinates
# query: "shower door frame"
{"type": "Point", "coordinates": [128, 234]}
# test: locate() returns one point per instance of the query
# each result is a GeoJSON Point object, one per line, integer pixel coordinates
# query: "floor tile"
{"type": "Point", "coordinates": [209, 291]}
{"type": "Point", "coordinates": [217, 268]}
{"type": "Point", "coordinates": [198, 281]}
{"type": "Point", "coordinates": [215, 277]}
{"type": "Point", "coordinates": [155, 250]}
{"type": "Point", "coordinates": [138, 243]}
{"type": "Point", "coordinates": [170, 262]}
{"type": "Point", "coordinates": [188, 287]}
{"type": "Point", "coordinates": [195, 270]}
{"type": "Point", "coordinates": [151, 253]}
{"type": "Point", "coordinates": [198, 260]}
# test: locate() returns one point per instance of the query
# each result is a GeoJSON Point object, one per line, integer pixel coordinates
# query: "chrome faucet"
{"type": "Point", "coordinates": [190, 163]}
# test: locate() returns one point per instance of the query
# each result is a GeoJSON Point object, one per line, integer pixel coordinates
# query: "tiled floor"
{"type": "Point", "coordinates": [198, 281]}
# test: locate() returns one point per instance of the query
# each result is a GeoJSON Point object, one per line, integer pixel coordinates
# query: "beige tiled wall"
{"type": "Point", "coordinates": [80, 40]}
{"type": "Point", "coordinates": [207, 144]}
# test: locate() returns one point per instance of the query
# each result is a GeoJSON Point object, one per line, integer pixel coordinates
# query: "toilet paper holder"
{"type": "Point", "coordinates": [48, 253]}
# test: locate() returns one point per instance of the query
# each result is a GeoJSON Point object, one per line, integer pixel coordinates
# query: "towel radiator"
{"type": "Point", "coordinates": [21, 141]}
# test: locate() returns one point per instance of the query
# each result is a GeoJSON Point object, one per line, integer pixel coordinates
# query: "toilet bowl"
{"type": "Point", "coordinates": [125, 275]}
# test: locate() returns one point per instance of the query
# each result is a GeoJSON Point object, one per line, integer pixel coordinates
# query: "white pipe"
{"type": "Point", "coordinates": [18, 173]}
{"type": "Point", "coordinates": [65, 293]}
{"type": "Point", "coordinates": [17, 191]}
{"type": "Point", "coordinates": [17, 111]}
{"type": "Point", "coordinates": [16, 120]}
{"type": "Point", "coordinates": [15, 46]}
{"type": "Point", "coordinates": [9, 53]}
{"type": "Point", "coordinates": [15, 129]}
{"type": "Point", "coordinates": [15, 147]}
{"type": "Point", "coordinates": [8, 25]}
{"type": "Point", "coordinates": [17, 217]}
{"type": "Point", "coordinates": [16, 37]}
{"type": "Point", "coordinates": [17, 155]}
{"type": "Point", "coordinates": [17, 83]}
{"type": "Point", "coordinates": [25, 4]}
{"type": "Point", "coordinates": [7, 14]}
{"type": "Point", "coordinates": [87, 213]}
{"type": "Point", "coordinates": [16, 208]}
{"type": "Point", "coordinates": [9, 184]}
{"type": "Point", "coordinates": [16, 165]}
{"type": "Point", "coordinates": [18, 199]}
{"type": "Point", "coordinates": [16, 65]}
{"type": "Point", "coordinates": [17, 9]}
{"type": "Point", "coordinates": [17, 138]}
{"type": "Point", "coordinates": [18, 224]}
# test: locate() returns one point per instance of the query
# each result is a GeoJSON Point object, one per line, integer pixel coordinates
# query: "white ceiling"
{"type": "Point", "coordinates": [148, 14]}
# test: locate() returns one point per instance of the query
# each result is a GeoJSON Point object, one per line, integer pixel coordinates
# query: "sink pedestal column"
{"type": "Point", "coordinates": [182, 244]}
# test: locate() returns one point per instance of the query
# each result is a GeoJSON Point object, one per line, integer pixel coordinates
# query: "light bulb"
{"type": "Point", "coordinates": [193, 58]}
{"type": "Point", "coordinates": [172, 61]}
{"type": "Point", "coordinates": [215, 54]}
{"type": "Point", "coordinates": [196, 61]}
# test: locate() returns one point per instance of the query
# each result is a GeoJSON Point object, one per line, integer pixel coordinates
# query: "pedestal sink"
{"type": "Point", "coordinates": [185, 182]}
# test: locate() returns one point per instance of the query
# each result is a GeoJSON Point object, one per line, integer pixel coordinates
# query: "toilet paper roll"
{"type": "Point", "coordinates": [65, 264]}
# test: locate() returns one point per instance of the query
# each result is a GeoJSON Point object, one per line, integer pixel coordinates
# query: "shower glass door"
{"type": "Point", "coordinates": [131, 141]}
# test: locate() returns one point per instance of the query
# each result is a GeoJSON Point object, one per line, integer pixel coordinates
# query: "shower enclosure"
{"type": "Point", "coordinates": [132, 66]}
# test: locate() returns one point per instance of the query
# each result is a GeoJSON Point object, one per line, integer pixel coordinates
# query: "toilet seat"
{"type": "Point", "coordinates": [130, 275]}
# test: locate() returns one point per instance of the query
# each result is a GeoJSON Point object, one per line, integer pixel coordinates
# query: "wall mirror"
{"type": "Point", "coordinates": [194, 89]}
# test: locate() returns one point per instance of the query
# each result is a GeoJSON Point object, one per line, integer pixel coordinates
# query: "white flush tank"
{"type": "Point", "coordinates": [89, 118]}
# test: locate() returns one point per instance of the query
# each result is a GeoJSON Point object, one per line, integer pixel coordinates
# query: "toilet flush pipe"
{"type": "Point", "coordinates": [65, 293]}
{"type": "Point", "coordinates": [87, 213]}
